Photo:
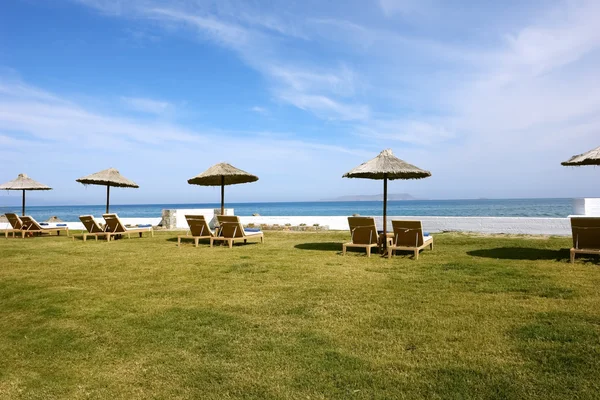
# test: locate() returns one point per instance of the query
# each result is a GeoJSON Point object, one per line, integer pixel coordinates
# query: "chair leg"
{"type": "Point", "coordinates": [368, 251]}
{"type": "Point", "coordinates": [390, 252]}
{"type": "Point", "coordinates": [431, 246]}
{"type": "Point", "coordinates": [572, 256]}
{"type": "Point", "coordinates": [196, 242]}
{"type": "Point", "coordinates": [230, 243]}
{"type": "Point", "coordinates": [417, 254]}
{"type": "Point", "coordinates": [343, 249]}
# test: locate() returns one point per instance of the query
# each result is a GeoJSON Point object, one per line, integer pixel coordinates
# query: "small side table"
{"type": "Point", "coordinates": [384, 241]}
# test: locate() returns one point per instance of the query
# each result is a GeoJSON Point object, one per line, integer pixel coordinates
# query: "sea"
{"type": "Point", "coordinates": [450, 208]}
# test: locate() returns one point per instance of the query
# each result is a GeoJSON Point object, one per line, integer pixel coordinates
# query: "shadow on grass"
{"type": "Point", "coordinates": [522, 253]}
{"type": "Point", "coordinates": [321, 246]}
{"type": "Point", "coordinates": [188, 240]}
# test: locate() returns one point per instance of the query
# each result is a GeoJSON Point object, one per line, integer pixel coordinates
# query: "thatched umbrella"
{"type": "Point", "coordinates": [592, 157]}
{"type": "Point", "coordinates": [222, 174]}
{"type": "Point", "coordinates": [23, 182]}
{"type": "Point", "coordinates": [108, 177]}
{"type": "Point", "coordinates": [386, 166]}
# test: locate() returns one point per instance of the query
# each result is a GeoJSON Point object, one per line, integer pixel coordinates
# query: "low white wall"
{"type": "Point", "coordinates": [514, 225]}
{"type": "Point", "coordinates": [209, 214]}
{"type": "Point", "coordinates": [590, 207]}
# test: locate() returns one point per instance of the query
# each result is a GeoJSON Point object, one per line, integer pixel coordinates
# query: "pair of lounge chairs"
{"type": "Point", "coordinates": [406, 235]}
{"type": "Point", "coordinates": [230, 230]}
{"type": "Point", "coordinates": [113, 227]}
{"type": "Point", "coordinates": [28, 226]}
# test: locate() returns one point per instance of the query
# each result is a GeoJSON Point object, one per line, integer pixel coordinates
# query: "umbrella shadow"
{"type": "Point", "coordinates": [521, 253]}
{"type": "Point", "coordinates": [320, 246]}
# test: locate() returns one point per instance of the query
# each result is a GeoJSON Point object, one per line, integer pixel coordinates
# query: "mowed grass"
{"type": "Point", "coordinates": [476, 318]}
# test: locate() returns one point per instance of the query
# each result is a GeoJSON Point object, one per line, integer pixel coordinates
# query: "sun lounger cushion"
{"type": "Point", "coordinates": [251, 230]}
{"type": "Point", "coordinates": [144, 225]}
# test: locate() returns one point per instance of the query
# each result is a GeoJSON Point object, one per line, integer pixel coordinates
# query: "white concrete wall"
{"type": "Point", "coordinates": [513, 225]}
{"type": "Point", "coordinates": [590, 207]}
{"type": "Point", "coordinates": [209, 214]}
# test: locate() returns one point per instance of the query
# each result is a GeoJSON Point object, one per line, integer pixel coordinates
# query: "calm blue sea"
{"type": "Point", "coordinates": [483, 207]}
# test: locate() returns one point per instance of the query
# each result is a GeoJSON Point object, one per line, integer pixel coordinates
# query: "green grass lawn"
{"type": "Point", "coordinates": [477, 317]}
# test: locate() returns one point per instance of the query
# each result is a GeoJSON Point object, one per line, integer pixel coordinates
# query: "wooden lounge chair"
{"type": "Point", "coordinates": [31, 226]}
{"type": "Point", "coordinates": [115, 227]}
{"type": "Point", "coordinates": [363, 233]}
{"type": "Point", "coordinates": [408, 235]}
{"type": "Point", "coordinates": [231, 230]}
{"type": "Point", "coordinates": [92, 227]}
{"type": "Point", "coordinates": [15, 223]}
{"type": "Point", "coordinates": [586, 236]}
{"type": "Point", "coordinates": [199, 229]}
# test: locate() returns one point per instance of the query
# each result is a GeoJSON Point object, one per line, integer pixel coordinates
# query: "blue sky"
{"type": "Point", "coordinates": [489, 97]}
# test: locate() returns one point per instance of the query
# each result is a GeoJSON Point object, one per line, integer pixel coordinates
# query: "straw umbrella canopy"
{"type": "Point", "coordinates": [592, 157]}
{"type": "Point", "coordinates": [386, 166]}
{"type": "Point", "coordinates": [23, 182]}
{"type": "Point", "coordinates": [222, 174]}
{"type": "Point", "coordinates": [108, 177]}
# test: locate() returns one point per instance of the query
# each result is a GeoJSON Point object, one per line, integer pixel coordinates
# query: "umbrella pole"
{"type": "Point", "coordinates": [107, 197]}
{"type": "Point", "coordinates": [222, 195]}
{"type": "Point", "coordinates": [23, 208]}
{"type": "Point", "coordinates": [384, 207]}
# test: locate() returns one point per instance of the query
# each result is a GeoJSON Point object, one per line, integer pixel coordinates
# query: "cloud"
{"type": "Point", "coordinates": [256, 38]}
{"type": "Point", "coordinates": [260, 110]}
{"type": "Point", "coordinates": [144, 105]}
{"type": "Point", "coordinates": [404, 7]}
{"type": "Point", "coordinates": [325, 107]}
{"type": "Point", "coordinates": [567, 34]}
{"type": "Point", "coordinates": [415, 132]}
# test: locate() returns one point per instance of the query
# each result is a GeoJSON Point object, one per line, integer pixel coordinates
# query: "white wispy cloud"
{"type": "Point", "coordinates": [80, 139]}
{"type": "Point", "coordinates": [406, 131]}
{"type": "Point", "coordinates": [325, 107]}
{"type": "Point", "coordinates": [250, 35]}
{"type": "Point", "coordinates": [145, 105]}
{"type": "Point", "coordinates": [260, 110]}
{"type": "Point", "coordinates": [404, 7]}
